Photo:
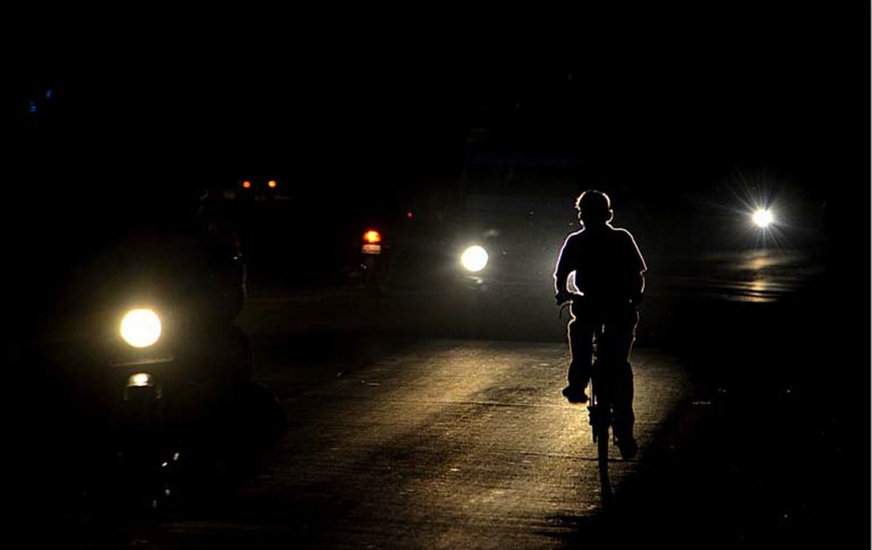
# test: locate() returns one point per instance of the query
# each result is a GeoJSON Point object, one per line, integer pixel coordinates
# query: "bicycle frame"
{"type": "Point", "coordinates": [601, 405]}
{"type": "Point", "coordinates": [609, 376]}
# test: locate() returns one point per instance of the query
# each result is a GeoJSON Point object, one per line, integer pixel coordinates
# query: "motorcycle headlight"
{"type": "Point", "coordinates": [474, 258]}
{"type": "Point", "coordinates": [140, 328]}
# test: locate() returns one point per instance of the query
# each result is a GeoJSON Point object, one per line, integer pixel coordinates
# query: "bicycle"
{"type": "Point", "coordinates": [600, 417]}
{"type": "Point", "coordinates": [608, 379]}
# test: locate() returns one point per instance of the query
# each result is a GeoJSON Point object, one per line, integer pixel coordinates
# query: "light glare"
{"type": "Point", "coordinates": [141, 328]}
{"type": "Point", "coordinates": [474, 258]}
{"type": "Point", "coordinates": [372, 236]}
{"type": "Point", "coordinates": [762, 218]}
{"type": "Point", "coordinates": [139, 380]}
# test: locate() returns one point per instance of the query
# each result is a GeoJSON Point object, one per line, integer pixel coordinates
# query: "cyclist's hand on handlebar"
{"type": "Point", "coordinates": [563, 297]}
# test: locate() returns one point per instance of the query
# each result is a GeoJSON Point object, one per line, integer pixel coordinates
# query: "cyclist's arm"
{"type": "Point", "coordinates": [561, 276]}
{"type": "Point", "coordinates": [639, 292]}
{"type": "Point", "coordinates": [640, 268]}
{"type": "Point", "coordinates": [630, 267]}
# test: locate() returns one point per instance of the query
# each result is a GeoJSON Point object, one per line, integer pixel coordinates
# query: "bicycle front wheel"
{"type": "Point", "coordinates": [600, 424]}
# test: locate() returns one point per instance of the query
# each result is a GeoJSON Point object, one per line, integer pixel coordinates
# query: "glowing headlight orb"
{"type": "Point", "coordinates": [140, 328]}
{"type": "Point", "coordinates": [762, 218]}
{"type": "Point", "coordinates": [139, 380]}
{"type": "Point", "coordinates": [474, 258]}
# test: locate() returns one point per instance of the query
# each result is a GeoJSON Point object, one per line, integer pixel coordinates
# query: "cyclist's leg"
{"type": "Point", "coordinates": [580, 335]}
{"type": "Point", "coordinates": [625, 335]}
{"type": "Point", "coordinates": [625, 418]}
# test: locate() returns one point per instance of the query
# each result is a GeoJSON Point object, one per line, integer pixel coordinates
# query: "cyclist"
{"type": "Point", "coordinates": [610, 275]}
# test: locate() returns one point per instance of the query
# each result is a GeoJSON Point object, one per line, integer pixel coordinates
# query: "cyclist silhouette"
{"type": "Point", "coordinates": [610, 281]}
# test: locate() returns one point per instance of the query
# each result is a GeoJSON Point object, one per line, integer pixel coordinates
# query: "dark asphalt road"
{"type": "Point", "coordinates": [784, 462]}
{"type": "Point", "coordinates": [783, 456]}
{"type": "Point", "coordinates": [778, 456]}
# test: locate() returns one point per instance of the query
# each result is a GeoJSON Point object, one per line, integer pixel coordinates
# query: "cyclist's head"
{"type": "Point", "coordinates": [594, 207]}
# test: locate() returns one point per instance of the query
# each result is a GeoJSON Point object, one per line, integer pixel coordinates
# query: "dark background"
{"type": "Point", "coordinates": [357, 106]}
{"type": "Point", "coordinates": [651, 93]}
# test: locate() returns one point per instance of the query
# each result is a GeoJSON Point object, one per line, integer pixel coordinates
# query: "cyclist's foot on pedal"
{"type": "Point", "coordinates": [628, 447]}
{"type": "Point", "coordinates": [575, 394]}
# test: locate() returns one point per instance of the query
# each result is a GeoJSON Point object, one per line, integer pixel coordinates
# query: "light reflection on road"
{"type": "Point", "coordinates": [758, 275]}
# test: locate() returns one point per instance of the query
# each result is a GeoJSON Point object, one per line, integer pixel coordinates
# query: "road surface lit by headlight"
{"type": "Point", "coordinates": [758, 275]}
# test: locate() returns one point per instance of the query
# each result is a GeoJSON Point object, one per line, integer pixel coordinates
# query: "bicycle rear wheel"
{"type": "Point", "coordinates": [600, 420]}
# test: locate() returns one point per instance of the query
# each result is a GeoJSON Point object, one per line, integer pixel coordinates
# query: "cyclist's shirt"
{"type": "Point", "coordinates": [606, 261]}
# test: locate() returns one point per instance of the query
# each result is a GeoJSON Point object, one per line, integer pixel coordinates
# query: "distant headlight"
{"type": "Point", "coordinates": [140, 380]}
{"type": "Point", "coordinates": [140, 328]}
{"type": "Point", "coordinates": [762, 218]}
{"type": "Point", "coordinates": [474, 258]}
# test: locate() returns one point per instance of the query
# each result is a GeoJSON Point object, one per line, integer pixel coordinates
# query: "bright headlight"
{"type": "Point", "coordinates": [140, 328]}
{"type": "Point", "coordinates": [762, 218]}
{"type": "Point", "coordinates": [140, 380]}
{"type": "Point", "coordinates": [474, 258]}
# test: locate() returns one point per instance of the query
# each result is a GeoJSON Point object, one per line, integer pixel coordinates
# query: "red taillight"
{"type": "Point", "coordinates": [372, 237]}
{"type": "Point", "coordinates": [246, 184]}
